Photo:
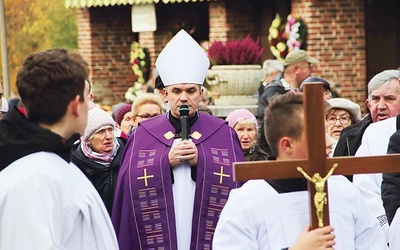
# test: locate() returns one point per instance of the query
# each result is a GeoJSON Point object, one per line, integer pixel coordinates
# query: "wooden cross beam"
{"type": "Point", "coordinates": [317, 161]}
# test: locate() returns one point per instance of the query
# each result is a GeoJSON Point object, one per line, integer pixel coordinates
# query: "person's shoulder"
{"type": "Point", "coordinates": [383, 124]}
{"type": "Point", "coordinates": [213, 121]}
{"type": "Point", "coordinates": [154, 123]}
{"type": "Point", "coordinates": [341, 188]}
{"type": "Point", "coordinates": [359, 126]}
{"type": "Point", "coordinates": [381, 128]}
{"type": "Point", "coordinates": [122, 141]}
{"type": "Point", "coordinates": [395, 139]}
{"type": "Point", "coordinates": [255, 188]}
{"type": "Point", "coordinates": [274, 87]}
{"type": "Point", "coordinates": [262, 153]}
{"type": "Point", "coordinates": [40, 165]}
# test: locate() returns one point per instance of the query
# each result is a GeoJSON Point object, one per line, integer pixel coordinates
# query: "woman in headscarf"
{"type": "Point", "coordinates": [99, 154]}
{"type": "Point", "coordinates": [246, 126]}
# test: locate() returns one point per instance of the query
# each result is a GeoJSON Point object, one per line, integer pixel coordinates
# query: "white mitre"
{"type": "Point", "coordinates": [182, 61]}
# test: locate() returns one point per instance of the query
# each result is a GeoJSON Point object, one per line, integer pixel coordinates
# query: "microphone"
{"type": "Point", "coordinates": [184, 112]}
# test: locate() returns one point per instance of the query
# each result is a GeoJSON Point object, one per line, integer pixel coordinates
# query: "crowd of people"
{"type": "Point", "coordinates": [158, 172]}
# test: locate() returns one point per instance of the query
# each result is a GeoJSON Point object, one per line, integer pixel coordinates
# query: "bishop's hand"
{"type": "Point", "coordinates": [181, 152]}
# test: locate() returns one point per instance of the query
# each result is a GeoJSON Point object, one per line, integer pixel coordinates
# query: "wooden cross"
{"type": "Point", "coordinates": [317, 161]}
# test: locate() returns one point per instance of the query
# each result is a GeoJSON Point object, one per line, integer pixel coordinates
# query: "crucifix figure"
{"type": "Point", "coordinates": [320, 199]}
{"type": "Point", "coordinates": [317, 162]}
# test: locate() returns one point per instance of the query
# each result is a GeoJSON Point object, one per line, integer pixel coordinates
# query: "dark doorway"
{"type": "Point", "coordinates": [383, 35]}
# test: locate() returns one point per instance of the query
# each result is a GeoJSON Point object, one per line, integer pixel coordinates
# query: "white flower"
{"type": "Point", "coordinates": [133, 92]}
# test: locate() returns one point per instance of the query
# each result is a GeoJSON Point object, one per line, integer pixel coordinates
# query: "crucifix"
{"type": "Point", "coordinates": [317, 165]}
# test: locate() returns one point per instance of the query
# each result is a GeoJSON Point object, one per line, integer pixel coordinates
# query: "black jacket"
{"type": "Point", "coordinates": [390, 188]}
{"type": "Point", "coordinates": [273, 88]}
{"type": "Point", "coordinates": [20, 137]}
{"type": "Point", "coordinates": [104, 179]}
{"type": "Point", "coordinates": [255, 154]}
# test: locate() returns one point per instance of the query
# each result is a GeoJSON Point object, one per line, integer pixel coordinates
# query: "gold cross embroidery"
{"type": "Point", "coordinates": [145, 177]}
{"type": "Point", "coordinates": [221, 175]}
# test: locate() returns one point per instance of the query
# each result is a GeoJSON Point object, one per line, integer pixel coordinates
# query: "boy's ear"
{"type": "Point", "coordinates": [74, 106]}
{"type": "Point", "coordinates": [285, 145]}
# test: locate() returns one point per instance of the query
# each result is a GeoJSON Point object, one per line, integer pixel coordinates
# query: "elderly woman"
{"type": "Point", "coordinates": [146, 106]}
{"type": "Point", "coordinates": [99, 154]}
{"type": "Point", "coordinates": [341, 113]}
{"type": "Point", "coordinates": [246, 126]}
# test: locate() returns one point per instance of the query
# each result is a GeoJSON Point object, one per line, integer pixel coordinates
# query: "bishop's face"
{"type": "Point", "coordinates": [184, 94]}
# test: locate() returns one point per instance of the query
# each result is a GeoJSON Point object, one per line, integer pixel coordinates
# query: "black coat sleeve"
{"type": "Point", "coordinates": [390, 188]}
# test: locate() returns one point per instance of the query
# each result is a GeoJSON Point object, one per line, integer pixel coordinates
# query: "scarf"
{"type": "Point", "coordinates": [105, 158]}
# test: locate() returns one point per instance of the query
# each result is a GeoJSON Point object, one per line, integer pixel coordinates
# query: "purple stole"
{"type": "Point", "coordinates": [145, 178]}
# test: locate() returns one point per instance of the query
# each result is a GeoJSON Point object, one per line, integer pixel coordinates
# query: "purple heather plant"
{"type": "Point", "coordinates": [235, 52]}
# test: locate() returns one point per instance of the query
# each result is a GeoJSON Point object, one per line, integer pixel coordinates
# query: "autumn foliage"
{"type": "Point", "coordinates": [36, 25]}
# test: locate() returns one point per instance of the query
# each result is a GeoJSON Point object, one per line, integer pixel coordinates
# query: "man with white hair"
{"type": "Point", "coordinates": [173, 185]}
{"type": "Point", "coordinates": [271, 68]}
{"type": "Point", "coordinates": [383, 102]}
{"type": "Point", "coordinates": [384, 105]}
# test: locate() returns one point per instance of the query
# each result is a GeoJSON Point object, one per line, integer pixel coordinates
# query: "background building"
{"type": "Point", "coordinates": [353, 39]}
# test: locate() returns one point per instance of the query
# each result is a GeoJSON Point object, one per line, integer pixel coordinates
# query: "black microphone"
{"type": "Point", "coordinates": [184, 112]}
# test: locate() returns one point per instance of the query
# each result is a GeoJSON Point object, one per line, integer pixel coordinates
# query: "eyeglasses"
{"type": "Point", "coordinates": [327, 93]}
{"type": "Point", "coordinates": [147, 116]}
{"type": "Point", "coordinates": [343, 120]}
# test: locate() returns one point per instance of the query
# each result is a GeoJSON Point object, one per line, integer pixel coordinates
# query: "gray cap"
{"type": "Point", "coordinates": [300, 55]}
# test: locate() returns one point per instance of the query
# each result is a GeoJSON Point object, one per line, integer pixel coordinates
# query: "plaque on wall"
{"type": "Point", "coordinates": [144, 17]}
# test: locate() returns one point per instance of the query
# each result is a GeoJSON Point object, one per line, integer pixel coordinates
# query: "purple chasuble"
{"type": "Point", "coordinates": [143, 211]}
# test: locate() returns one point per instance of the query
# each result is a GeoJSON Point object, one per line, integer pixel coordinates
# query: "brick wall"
{"type": "Point", "coordinates": [108, 50]}
{"type": "Point", "coordinates": [337, 38]}
{"type": "Point", "coordinates": [233, 20]}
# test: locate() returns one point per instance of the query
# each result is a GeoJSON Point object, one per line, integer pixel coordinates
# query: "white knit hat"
{"type": "Point", "coordinates": [182, 61]}
{"type": "Point", "coordinates": [97, 118]}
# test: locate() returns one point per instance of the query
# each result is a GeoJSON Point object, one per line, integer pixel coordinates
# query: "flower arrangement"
{"type": "Point", "coordinates": [133, 92]}
{"type": "Point", "coordinates": [235, 52]}
{"type": "Point", "coordinates": [140, 62]}
{"type": "Point", "coordinates": [287, 36]}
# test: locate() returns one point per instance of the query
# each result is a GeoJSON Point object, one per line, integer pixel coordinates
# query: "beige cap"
{"type": "Point", "coordinates": [182, 61]}
{"type": "Point", "coordinates": [342, 103]}
{"type": "Point", "coordinates": [300, 55]}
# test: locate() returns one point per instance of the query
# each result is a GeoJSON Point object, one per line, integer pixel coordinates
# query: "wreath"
{"type": "Point", "coordinates": [287, 36]}
{"type": "Point", "coordinates": [140, 62]}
